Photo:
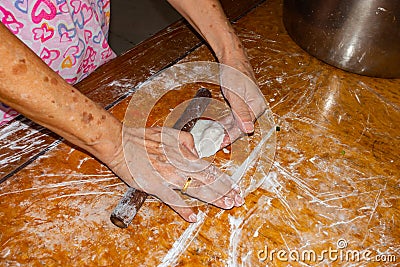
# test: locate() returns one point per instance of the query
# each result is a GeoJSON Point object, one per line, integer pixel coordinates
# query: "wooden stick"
{"type": "Point", "coordinates": [133, 199]}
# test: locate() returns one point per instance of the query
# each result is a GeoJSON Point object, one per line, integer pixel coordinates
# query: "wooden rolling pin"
{"type": "Point", "coordinates": [133, 199]}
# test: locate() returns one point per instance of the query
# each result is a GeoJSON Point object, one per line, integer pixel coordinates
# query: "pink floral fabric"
{"type": "Point", "coordinates": [70, 36]}
{"type": "Point", "coordinates": [6, 114]}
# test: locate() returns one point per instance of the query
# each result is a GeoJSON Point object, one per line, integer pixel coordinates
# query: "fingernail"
{"type": "Point", "coordinates": [239, 200]}
{"type": "Point", "coordinates": [194, 151]}
{"type": "Point", "coordinates": [236, 188]}
{"type": "Point", "coordinates": [193, 218]}
{"type": "Point", "coordinates": [229, 202]}
{"type": "Point", "coordinates": [248, 126]}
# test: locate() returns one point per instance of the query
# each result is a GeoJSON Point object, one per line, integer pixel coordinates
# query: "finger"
{"type": "Point", "coordinates": [235, 194]}
{"type": "Point", "coordinates": [175, 202]}
{"type": "Point", "coordinates": [186, 140]}
{"type": "Point", "coordinates": [180, 139]}
{"type": "Point", "coordinates": [186, 213]}
{"type": "Point", "coordinates": [153, 133]}
{"type": "Point", "coordinates": [232, 131]}
{"type": "Point", "coordinates": [206, 194]}
{"type": "Point", "coordinates": [213, 175]}
{"type": "Point", "coordinates": [241, 111]}
{"type": "Point", "coordinates": [212, 184]}
{"type": "Point", "coordinates": [221, 183]}
{"type": "Point", "coordinates": [154, 166]}
{"type": "Point", "coordinates": [212, 179]}
{"type": "Point", "coordinates": [228, 202]}
{"type": "Point", "coordinates": [231, 136]}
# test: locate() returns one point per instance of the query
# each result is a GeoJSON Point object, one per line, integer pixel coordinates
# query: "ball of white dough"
{"type": "Point", "coordinates": [208, 136]}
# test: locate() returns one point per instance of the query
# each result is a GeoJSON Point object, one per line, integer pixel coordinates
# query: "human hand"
{"type": "Point", "coordinates": [239, 87]}
{"type": "Point", "coordinates": [244, 96]}
{"type": "Point", "coordinates": [159, 161]}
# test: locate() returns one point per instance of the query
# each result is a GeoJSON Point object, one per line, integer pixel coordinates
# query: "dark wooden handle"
{"type": "Point", "coordinates": [133, 199]}
{"type": "Point", "coordinates": [127, 207]}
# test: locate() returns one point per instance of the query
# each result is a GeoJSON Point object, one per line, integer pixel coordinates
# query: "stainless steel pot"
{"type": "Point", "coordinates": [360, 36]}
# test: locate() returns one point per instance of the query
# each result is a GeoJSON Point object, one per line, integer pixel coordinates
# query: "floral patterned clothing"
{"type": "Point", "coordinates": [70, 36]}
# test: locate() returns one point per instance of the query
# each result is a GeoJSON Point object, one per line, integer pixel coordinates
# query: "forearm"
{"type": "Point", "coordinates": [208, 18]}
{"type": "Point", "coordinates": [28, 85]}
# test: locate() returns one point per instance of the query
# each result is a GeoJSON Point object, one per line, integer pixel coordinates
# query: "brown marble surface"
{"type": "Point", "coordinates": [334, 181]}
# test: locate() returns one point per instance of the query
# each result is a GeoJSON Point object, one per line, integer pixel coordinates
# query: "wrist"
{"type": "Point", "coordinates": [239, 61]}
{"type": "Point", "coordinates": [106, 141]}
{"type": "Point", "coordinates": [228, 45]}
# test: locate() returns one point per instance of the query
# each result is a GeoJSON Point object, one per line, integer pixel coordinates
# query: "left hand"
{"type": "Point", "coordinates": [158, 161]}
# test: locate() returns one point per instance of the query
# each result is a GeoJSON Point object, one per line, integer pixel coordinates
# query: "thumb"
{"type": "Point", "coordinates": [241, 111]}
{"type": "Point", "coordinates": [187, 141]}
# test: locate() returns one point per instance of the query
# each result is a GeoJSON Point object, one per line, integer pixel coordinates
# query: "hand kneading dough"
{"type": "Point", "coordinates": [208, 136]}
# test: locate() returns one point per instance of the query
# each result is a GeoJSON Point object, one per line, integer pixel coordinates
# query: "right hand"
{"type": "Point", "coordinates": [159, 160]}
{"type": "Point", "coordinates": [239, 87]}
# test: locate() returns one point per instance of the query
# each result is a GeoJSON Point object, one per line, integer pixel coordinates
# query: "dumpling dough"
{"type": "Point", "coordinates": [208, 136]}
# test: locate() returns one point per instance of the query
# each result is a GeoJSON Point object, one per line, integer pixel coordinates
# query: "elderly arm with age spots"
{"type": "Point", "coordinates": [28, 85]}
{"type": "Point", "coordinates": [244, 96]}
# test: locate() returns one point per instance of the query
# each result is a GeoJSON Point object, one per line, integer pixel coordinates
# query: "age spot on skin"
{"type": "Point", "coordinates": [19, 69]}
{"type": "Point", "coordinates": [46, 79]}
{"type": "Point", "coordinates": [54, 81]}
{"type": "Point", "coordinates": [103, 118]}
{"type": "Point", "coordinates": [87, 117]}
